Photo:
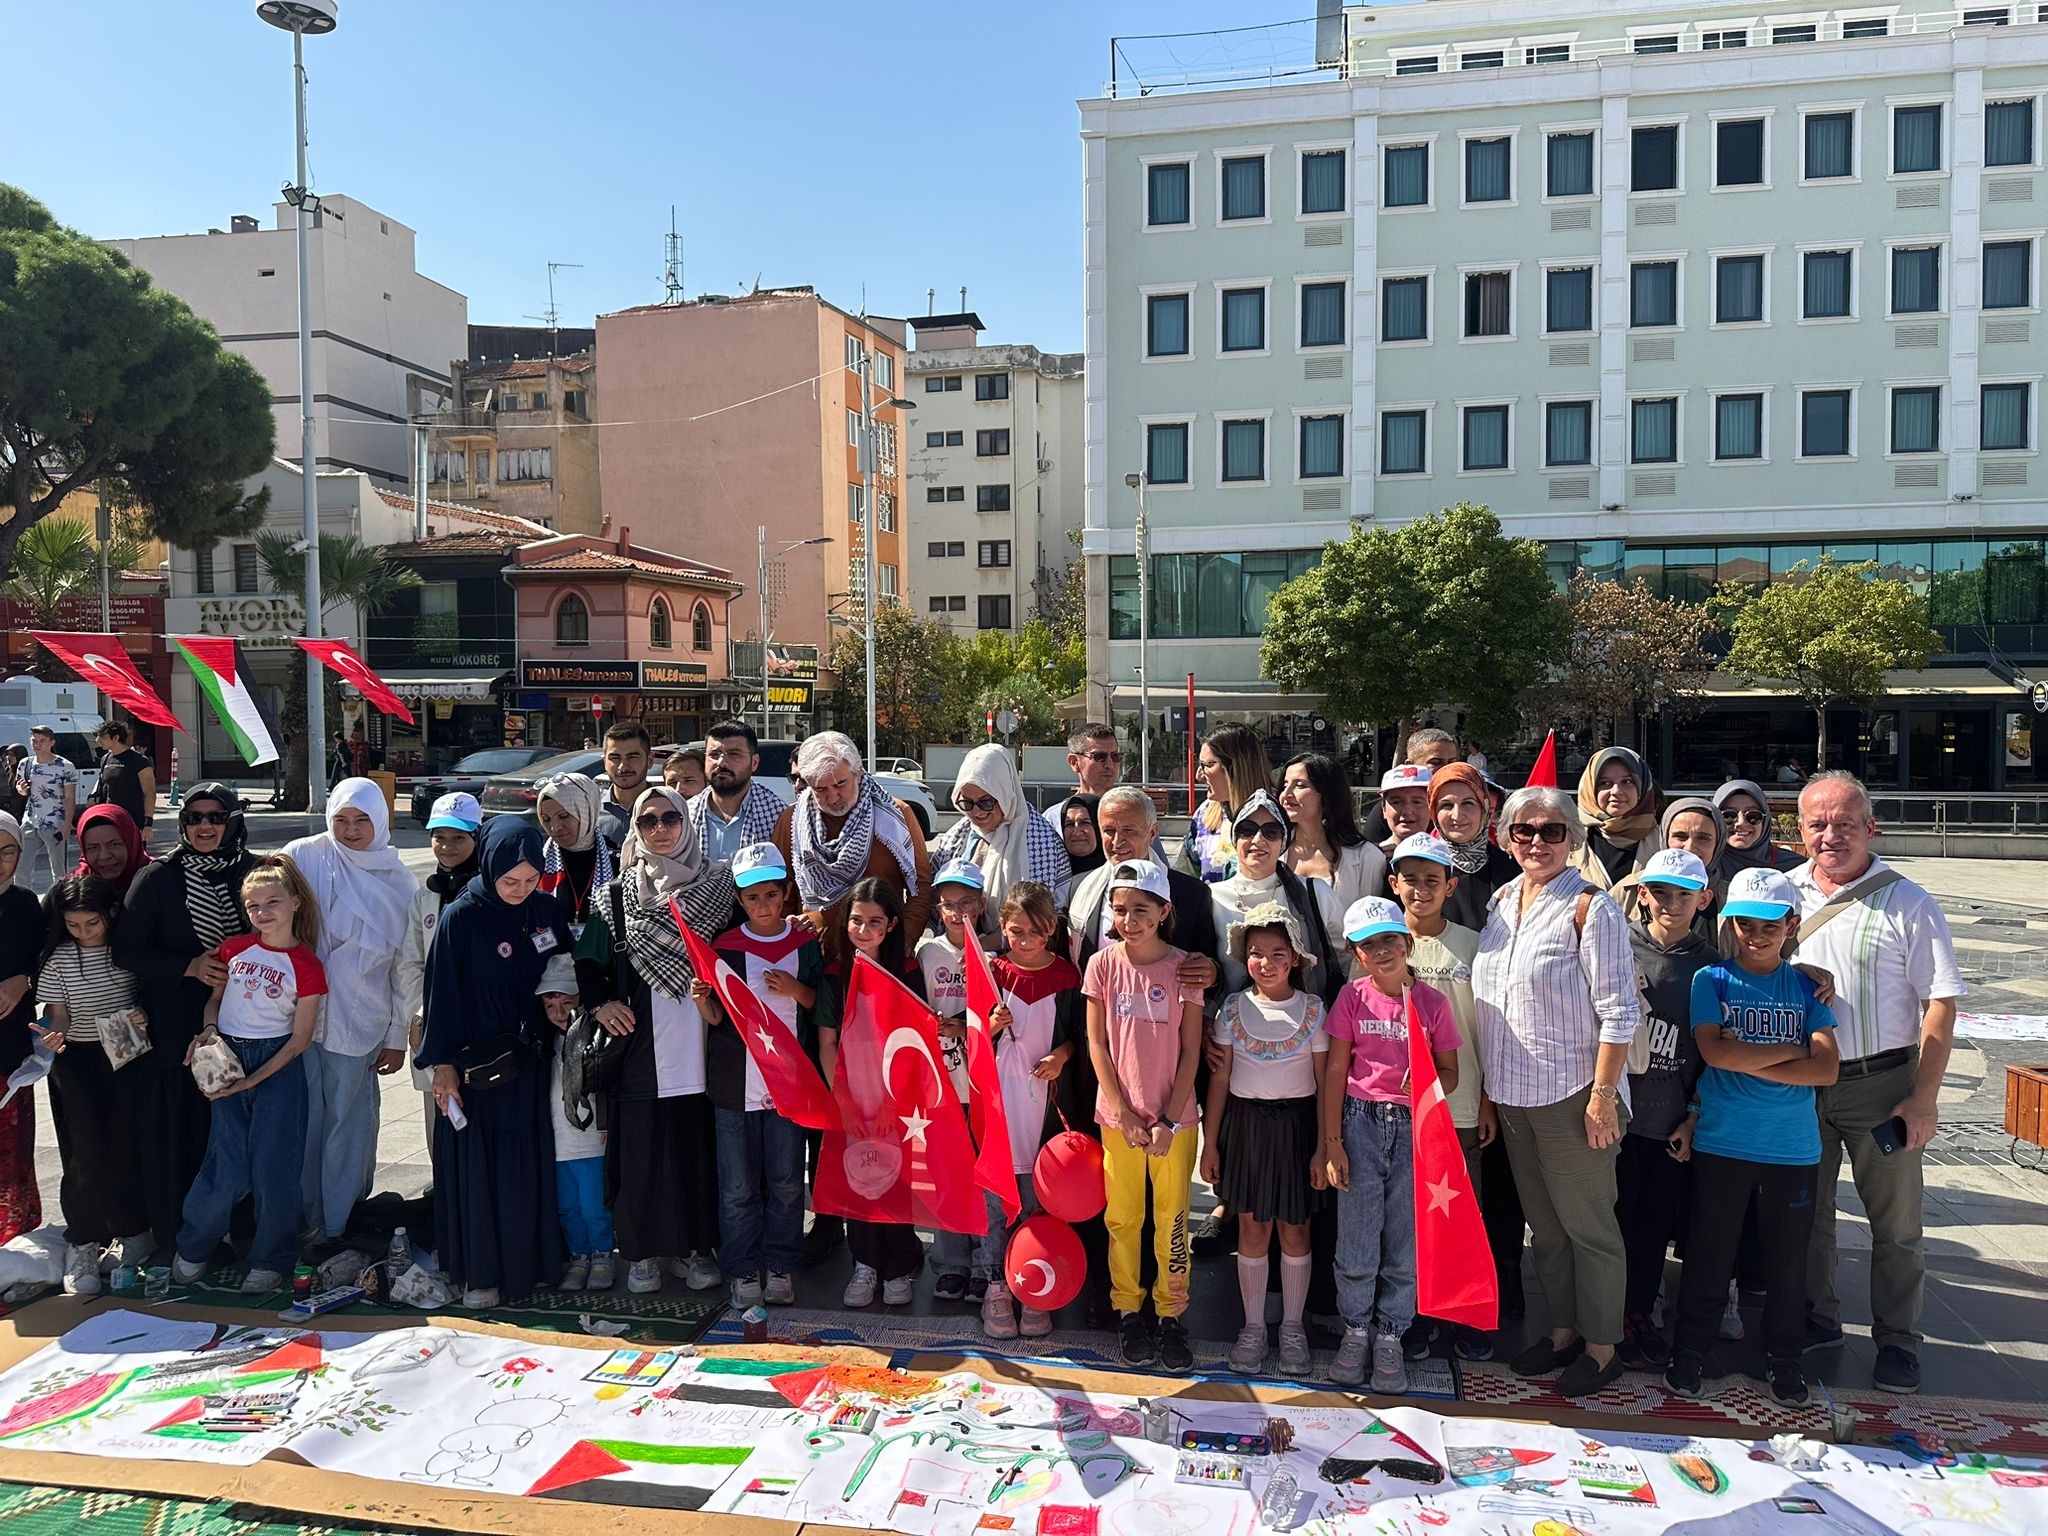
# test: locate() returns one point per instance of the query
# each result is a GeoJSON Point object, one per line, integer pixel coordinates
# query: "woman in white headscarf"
{"type": "Point", "coordinates": [365, 892]}
{"type": "Point", "coordinates": [1000, 833]}
{"type": "Point", "coordinates": [576, 861]}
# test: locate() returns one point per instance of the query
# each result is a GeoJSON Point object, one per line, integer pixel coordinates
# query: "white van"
{"type": "Point", "coordinates": [70, 708]}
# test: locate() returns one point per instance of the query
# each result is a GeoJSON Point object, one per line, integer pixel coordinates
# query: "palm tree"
{"type": "Point", "coordinates": [59, 558]}
{"type": "Point", "coordinates": [350, 572]}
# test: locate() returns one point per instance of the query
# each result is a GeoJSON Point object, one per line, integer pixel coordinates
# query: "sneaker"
{"type": "Point", "coordinates": [1347, 1366]}
{"type": "Point", "coordinates": [950, 1288]}
{"type": "Point", "coordinates": [576, 1273]}
{"type": "Point", "coordinates": [478, 1299]}
{"type": "Point", "coordinates": [977, 1289]}
{"type": "Point", "coordinates": [1642, 1347]}
{"type": "Point", "coordinates": [134, 1251]}
{"type": "Point", "coordinates": [860, 1290]}
{"type": "Point", "coordinates": [1731, 1320]}
{"type": "Point", "coordinates": [746, 1292]}
{"type": "Point", "coordinates": [643, 1276]}
{"type": "Point", "coordinates": [1474, 1344]}
{"type": "Point", "coordinates": [1174, 1353]}
{"type": "Point", "coordinates": [601, 1272]}
{"type": "Point", "coordinates": [1898, 1370]}
{"type": "Point", "coordinates": [896, 1292]}
{"type": "Point", "coordinates": [1788, 1384]}
{"type": "Point", "coordinates": [184, 1271]}
{"type": "Point", "coordinates": [781, 1290]}
{"type": "Point", "coordinates": [1032, 1323]}
{"type": "Point", "coordinates": [82, 1270]}
{"type": "Point", "coordinates": [998, 1313]}
{"type": "Point", "coordinates": [1248, 1355]}
{"type": "Point", "coordinates": [1389, 1366]}
{"type": "Point", "coordinates": [699, 1271]}
{"type": "Point", "coordinates": [261, 1282]}
{"type": "Point", "coordinates": [1295, 1358]}
{"type": "Point", "coordinates": [1096, 1312]}
{"type": "Point", "coordinates": [1821, 1335]}
{"type": "Point", "coordinates": [1134, 1343]}
{"type": "Point", "coordinates": [1686, 1374]}
{"type": "Point", "coordinates": [1416, 1341]}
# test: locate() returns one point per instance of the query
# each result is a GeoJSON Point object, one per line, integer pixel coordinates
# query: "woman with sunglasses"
{"type": "Point", "coordinates": [1260, 836]}
{"type": "Point", "coordinates": [1745, 812]}
{"type": "Point", "coordinates": [180, 910]}
{"type": "Point", "coordinates": [1554, 984]}
{"type": "Point", "coordinates": [999, 833]}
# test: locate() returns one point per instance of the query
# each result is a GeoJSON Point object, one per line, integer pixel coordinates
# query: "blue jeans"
{"type": "Point", "coordinates": [1376, 1218]}
{"type": "Point", "coordinates": [760, 1193]}
{"type": "Point", "coordinates": [257, 1146]}
{"type": "Point", "coordinates": [961, 1253]}
{"type": "Point", "coordinates": [579, 1192]}
{"type": "Point", "coordinates": [341, 1135]}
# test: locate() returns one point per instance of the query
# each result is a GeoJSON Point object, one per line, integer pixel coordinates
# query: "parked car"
{"type": "Point", "coordinates": [777, 756]}
{"type": "Point", "coordinates": [470, 774]}
{"type": "Point", "coordinates": [900, 768]}
{"type": "Point", "coordinates": [513, 794]}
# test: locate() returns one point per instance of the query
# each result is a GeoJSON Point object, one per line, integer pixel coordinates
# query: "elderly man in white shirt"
{"type": "Point", "coordinates": [1887, 946]}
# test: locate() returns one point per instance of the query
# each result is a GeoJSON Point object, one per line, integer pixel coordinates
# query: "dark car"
{"type": "Point", "coordinates": [470, 774]}
{"type": "Point", "coordinates": [514, 794]}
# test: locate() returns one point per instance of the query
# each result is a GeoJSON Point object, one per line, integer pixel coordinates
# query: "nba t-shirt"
{"type": "Point", "coordinates": [1749, 1117]}
{"type": "Point", "coordinates": [264, 986]}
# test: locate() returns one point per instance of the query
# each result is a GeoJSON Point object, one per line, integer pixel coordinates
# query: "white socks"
{"type": "Point", "coordinates": [1251, 1285]}
{"type": "Point", "coordinates": [1293, 1285]}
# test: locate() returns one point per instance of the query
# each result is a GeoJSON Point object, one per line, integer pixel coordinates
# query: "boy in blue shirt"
{"type": "Point", "coordinates": [1768, 1044]}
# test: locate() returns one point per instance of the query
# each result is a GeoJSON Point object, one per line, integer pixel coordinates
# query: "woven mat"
{"type": "Point", "coordinates": [1961, 1423]}
{"type": "Point", "coordinates": [35, 1509]}
{"type": "Point", "coordinates": [1732, 1404]}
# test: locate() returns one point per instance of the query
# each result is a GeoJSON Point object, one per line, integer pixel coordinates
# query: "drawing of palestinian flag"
{"type": "Point", "coordinates": [216, 663]}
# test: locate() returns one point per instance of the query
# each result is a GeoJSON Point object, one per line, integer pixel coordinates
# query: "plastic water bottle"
{"type": "Point", "coordinates": [398, 1257]}
{"type": "Point", "coordinates": [1276, 1508]}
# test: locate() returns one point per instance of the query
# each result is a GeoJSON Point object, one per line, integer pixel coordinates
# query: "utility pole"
{"type": "Point", "coordinates": [867, 540]}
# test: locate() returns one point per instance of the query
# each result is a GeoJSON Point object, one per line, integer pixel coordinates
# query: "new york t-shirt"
{"type": "Point", "coordinates": [264, 986]}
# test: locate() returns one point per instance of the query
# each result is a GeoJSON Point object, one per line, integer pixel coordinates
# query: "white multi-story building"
{"type": "Point", "coordinates": [994, 486]}
{"type": "Point", "coordinates": [1692, 290]}
{"type": "Point", "coordinates": [382, 334]}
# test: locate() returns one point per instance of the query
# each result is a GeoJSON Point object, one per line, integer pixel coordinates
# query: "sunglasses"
{"type": "Point", "coordinates": [652, 821]}
{"type": "Point", "coordinates": [1104, 757]}
{"type": "Point", "coordinates": [1743, 818]}
{"type": "Point", "coordinates": [1271, 831]}
{"type": "Point", "coordinates": [967, 803]}
{"type": "Point", "coordinates": [1530, 831]}
{"type": "Point", "coordinates": [205, 818]}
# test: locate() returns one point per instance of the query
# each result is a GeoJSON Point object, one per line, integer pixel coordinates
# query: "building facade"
{"type": "Point", "coordinates": [521, 438]}
{"type": "Point", "coordinates": [1692, 291]}
{"type": "Point", "coordinates": [995, 477]}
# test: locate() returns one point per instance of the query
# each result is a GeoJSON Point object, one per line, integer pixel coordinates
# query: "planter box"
{"type": "Point", "coordinates": [2026, 1104]}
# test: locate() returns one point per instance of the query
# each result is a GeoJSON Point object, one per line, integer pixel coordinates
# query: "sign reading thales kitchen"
{"type": "Point", "coordinates": [685, 676]}
{"type": "Point", "coordinates": [625, 676]}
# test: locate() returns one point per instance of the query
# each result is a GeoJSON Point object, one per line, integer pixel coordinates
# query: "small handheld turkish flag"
{"type": "Point", "coordinates": [994, 1168]}
{"type": "Point", "coordinates": [793, 1082]}
{"type": "Point", "coordinates": [1454, 1274]}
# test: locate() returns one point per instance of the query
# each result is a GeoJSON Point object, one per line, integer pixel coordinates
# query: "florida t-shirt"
{"type": "Point", "coordinates": [1141, 1013]}
{"type": "Point", "coordinates": [1745, 1116]}
{"type": "Point", "coordinates": [264, 986]}
{"type": "Point", "coordinates": [1377, 1027]}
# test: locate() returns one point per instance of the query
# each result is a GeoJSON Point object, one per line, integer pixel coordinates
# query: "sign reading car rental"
{"type": "Point", "coordinates": [584, 675]}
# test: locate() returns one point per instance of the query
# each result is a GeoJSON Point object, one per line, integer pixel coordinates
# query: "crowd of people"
{"type": "Point", "coordinates": [1650, 1026]}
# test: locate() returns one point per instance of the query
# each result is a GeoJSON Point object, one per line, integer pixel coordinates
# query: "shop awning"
{"type": "Point", "coordinates": [443, 685]}
{"type": "Point", "coordinates": [1918, 682]}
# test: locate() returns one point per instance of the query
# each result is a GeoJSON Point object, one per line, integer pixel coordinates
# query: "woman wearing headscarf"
{"type": "Point", "coordinates": [1691, 824]}
{"type": "Point", "coordinates": [21, 948]}
{"type": "Point", "coordinates": [180, 910]}
{"type": "Point", "coordinates": [1233, 765]}
{"type": "Point", "coordinates": [1328, 849]}
{"type": "Point", "coordinates": [486, 1044]}
{"type": "Point", "coordinates": [577, 859]}
{"type": "Point", "coordinates": [1618, 809]}
{"type": "Point", "coordinates": [661, 1152]}
{"type": "Point", "coordinates": [1745, 815]}
{"type": "Point", "coordinates": [364, 892]}
{"type": "Point", "coordinates": [110, 846]}
{"type": "Point", "coordinates": [1080, 832]}
{"type": "Point", "coordinates": [1461, 810]}
{"type": "Point", "coordinates": [1000, 833]}
{"type": "Point", "coordinates": [1260, 833]}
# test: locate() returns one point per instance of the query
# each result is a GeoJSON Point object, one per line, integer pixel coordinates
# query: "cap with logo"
{"type": "Point", "coordinates": [1141, 875]}
{"type": "Point", "coordinates": [757, 864]}
{"type": "Point", "coordinates": [1674, 866]}
{"type": "Point", "coordinates": [1761, 893]}
{"type": "Point", "coordinates": [1405, 776]}
{"type": "Point", "coordinates": [458, 811]}
{"type": "Point", "coordinates": [1370, 916]}
{"type": "Point", "coordinates": [960, 872]}
{"type": "Point", "coordinates": [1422, 845]}
{"type": "Point", "coordinates": [559, 975]}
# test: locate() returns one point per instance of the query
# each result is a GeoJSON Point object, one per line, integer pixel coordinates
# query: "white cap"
{"type": "Point", "coordinates": [1422, 845]}
{"type": "Point", "coordinates": [1141, 875]}
{"type": "Point", "coordinates": [559, 975]}
{"type": "Point", "coordinates": [758, 863]}
{"type": "Point", "coordinates": [960, 872]}
{"type": "Point", "coordinates": [458, 811]}
{"type": "Point", "coordinates": [1674, 866]}
{"type": "Point", "coordinates": [1405, 776]}
{"type": "Point", "coordinates": [1763, 893]}
{"type": "Point", "coordinates": [1370, 916]}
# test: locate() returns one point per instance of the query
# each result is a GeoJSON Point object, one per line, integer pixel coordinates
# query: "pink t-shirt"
{"type": "Point", "coordinates": [264, 987]}
{"type": "Point", "coordinates": [1377, 1027]}
{"type": "Point", "coordinates": [1141, 1012]}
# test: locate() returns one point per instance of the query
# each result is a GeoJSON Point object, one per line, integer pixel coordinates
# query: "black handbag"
{"type": "Point", "coordinates": [593, 1058]}
{"type": "Point", "coordinates": [493, 1063]}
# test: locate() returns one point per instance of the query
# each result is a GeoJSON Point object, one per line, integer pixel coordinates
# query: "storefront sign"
{"type": "Point", "coordinates": [260, 623]}
{"type": "Point", "coordinates": [675, 676]}
{"type": "Point", "coordinates": [128, 610]}
{"type": "Point", "coordinates": [783, 699]}
{"type": "Point", "coordinates": [579, 674]}
{"type": "Point", "coordinates": [793, 663]}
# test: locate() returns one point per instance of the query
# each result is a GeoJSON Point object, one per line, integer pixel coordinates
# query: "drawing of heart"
{"type": "Point", "coordinates": [873, 1166]}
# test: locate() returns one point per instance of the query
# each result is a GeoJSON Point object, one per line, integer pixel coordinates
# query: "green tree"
{"type": "Point", "coordinates": [1829, 637]}
{"type": "Point", "coordinates": [351, 572]}
{"type": "Point", "coordinates": [1631, 653]}
{"type": "Point", "coordinates": [1443, 610]}
{"type": "Point", "coordinates": [56, 559]}
{"type": "Point", "coordinates": [106, 378]}
{"type": "Point", "coordinates": [1061, 594]}
{"type": "Point", "coordinates": [918, 672]}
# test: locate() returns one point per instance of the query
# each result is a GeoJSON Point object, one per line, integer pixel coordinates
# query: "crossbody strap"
{"type": "Point", "coordinates": [1843, 900]}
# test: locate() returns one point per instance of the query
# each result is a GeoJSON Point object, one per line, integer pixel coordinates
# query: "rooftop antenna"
{"type": "Point", "coordinates": [554, 315]}
{"type": "Point", "coordinates": [672, 274]}
{"type": "Point", "coordinates": [931, 296]}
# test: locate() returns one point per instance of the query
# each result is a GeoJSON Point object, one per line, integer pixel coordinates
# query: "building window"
{"type": "Point", "coordinates": [657, 624]}
{"type": "Point", "coordinates": [991, 386]}
{"type": "Point", "coordinates": [885, 371]}
{"type": "Point", "coordinates": [480, 466]}
{"type": "Point", "coordinates": [1421, 64]}
{"type": "Point", "coordinates": [1567, 433]}
{"type": "Point", "coordinates": [202, 569]}
{"type": "Point", "coordinates": [1244, 451]}
{"type": "Point", "coordinates": [1483, 58]}
{"type": "Point", "coordinates": [955, 439]}
{"type": "Point", "coordinates": [1868, 26]}
{"type": "Point", "coordinates": [1739, 290]}
{"type": "Point", "coordinates": [572, 621]}
{"type": "Point", "coordinates": [1795, 32]}
{"type": "Point", "coordinates": [1739, 153]}
{"type": "Point", "coordinates": [935, 494]}
{"type": "Point", "coordinates": [1988, 16]}
{"type": "Point", "coordinates": [1166, 325]}
{"type": "Point", "coordinates": [885, 512]}
{"type": "Point", "coordinates": [1166, 453]}
{"type": "Point", "coordinates": [1485, 437]}
{"type": "Point", "coordinates": [1488, 170]}
{"type": "Point", "coordinates": [853, 429]}
{"type": "Point", "coordinates": [1825, 289]}
{"type": "Point", "coordinates": [1404, 441]}
{"type": "Point", "coordinates": [991, 498]}
{"type": "Point", "coordinates": [1547, 53]}
{"type": "Point", "coordinates": [1663, 43]}
{"type": "Point", "coordinates": [1653, 293]}
{"type": "Point", "coordinates": [956, 605]}
{"type": "Point", "coordinates": [517, 464]}
{"type": "Point", "coordinates": [956, 493]}
{"type": "Point", "coordinates": [1404, 309]}
{"type": "Point", "coordinates": [992, 612]}
{"type": "Point", "coordinates": [992, 553]}
{"type": "Point", "coordinates": [935, 439]}
{"type": "Point", "coordinates": [854, 352]}
{"type": "Point", "coordinates": [1244, 187]}
{"type": "Point", "coordinates": [1916, 139]}
{"type": "Point", "coordinates": [855, 504]}
{"type": "Point", "coordinates": [2009, 133]}
{"type": "Point", "coordinates": [1322, 181]}
{"type": "Point", "coordinates": [1739, 427]}
{"type": "Point", "coordinates": [935, 550]}
{"type": "Point", "coordinates": [1824, 424]}
{"type": "Point", "coordinates": [886, 583]}
{"type": "Point", "coordinates": [992, 443]}
{"type": "Point", "coordinates": [2009, 274]}
{"type": "Point", "coordinates": [1830, 145]}
{"type": "Point", "coordinates": [1653, 432]}
{"type": "Point", "coordinates": [1916, 420]}
{"type": "Point", "coordinates": [1568, 165]}
{"type": "Point", "coordinates": [942, 384]}
{"type": "Point", "coordinates": [247, 568]}
{"type": "Point", "coordinates": [2003, 416]}
{"type": "Point", "coordinates": [1322, 447]}
{"type": "Point", "coordinates": [1487, 310]}
{"type": "Point", "coordinates": [1724, 37]}
{"type": "Point", "coordinates": [936, 604]}
{"type": "Point", "coordinates": [1407, 176]}
{"type": "Point", "coordinates": [1244, 320]}
{"type": "Point", "coordinates": [1568, 299]}
{"type": "Point", "coordinates": [1916, 279]}
{"type": "Point", "coordinates": [1322, 314]}
{"type": "Point", "coordinates": [1653, 159]}
{"type": "Point", "coordinates": [1166, 194]}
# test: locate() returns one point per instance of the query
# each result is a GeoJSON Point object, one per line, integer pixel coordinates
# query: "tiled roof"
{"type": "Point", "coordinates": [478, 517]}
{"type": "Point", "coordinates": [532, 367]}
{"type": "Point", "coordinates": [611, 560]}
{"type": "Point", "coordinates": [456, 544]}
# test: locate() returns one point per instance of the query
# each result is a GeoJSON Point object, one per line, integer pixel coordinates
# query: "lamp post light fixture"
{"type": "Point", "coordinates": [761, 593]}
{"type": "Point", "coordinates": [1137, 483]}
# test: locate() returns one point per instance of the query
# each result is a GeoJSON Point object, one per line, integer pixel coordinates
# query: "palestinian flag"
{"type": "Point", "coordinates": [216, 663]}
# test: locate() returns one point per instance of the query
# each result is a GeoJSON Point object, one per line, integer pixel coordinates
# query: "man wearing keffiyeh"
{"type": "Point", "coordinates": [733, 810]}
{"type": "Point", "coordinates": [844, 828]}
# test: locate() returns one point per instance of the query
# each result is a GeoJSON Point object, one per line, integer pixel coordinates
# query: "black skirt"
{"type": "Point", "coordinates": [1264, 1146]}
{"type": "Point", "coordinates": [661, 1175]}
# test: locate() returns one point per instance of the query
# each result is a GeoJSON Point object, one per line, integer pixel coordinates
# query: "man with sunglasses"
{"type": "Point", "coordinates": [1097, 761]}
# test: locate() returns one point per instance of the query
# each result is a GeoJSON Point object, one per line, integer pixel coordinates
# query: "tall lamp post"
{"type": "Point", "coordinates": [867, 528]}
{"type": "Point", "coordinates": [1137, 483]}
{"type": "Point", "coordinates": [761, 592]}
{"type": "Point", "coordinates": [303, 18]}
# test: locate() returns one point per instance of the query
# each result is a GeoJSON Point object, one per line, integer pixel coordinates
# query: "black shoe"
{"type": "Point", "coordinates": [1822, 1335]}
{"type": "Point", "coordinates": [1788, 1384]}
{"type": "Point", "coordinates": [1416, 1341]}
{"type": "Point", "coordinates": [1584, 1376]}
{"type": "Point", "coordinates": [950, 1288]}
{"type": "Point", "coordinates": [1686, 1375]}
{"type": "Point", "coordinates": [1135, 1344]}
{"type": "Point", "coordinates": [827, 1233]}
{"type": "Point", "coordinates": [1174, 1354]}
{"type": "Point", "coordinates": [1210, 1237]}
{"type": "Point", "coordinates": [1096, 1311]}
{"type": "Point", "coordinates": [1541, 1358]}
{"type": "Point", "coordinates": [1474, 1344]}
{"type": "Point", "coordinates": [1642, 1347]}
{"type": "Point", "coordinates": [1898, 1370]}
{"type": "Point", "coordinates": [977, 1290]}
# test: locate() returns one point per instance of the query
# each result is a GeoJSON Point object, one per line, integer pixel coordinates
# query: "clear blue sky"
{"type": "Point", "coordinates": [900, 146]}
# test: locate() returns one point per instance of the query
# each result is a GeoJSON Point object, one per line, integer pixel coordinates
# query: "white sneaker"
{"type": "Point", "coordinates": [601, 1272]}
{"type": "Point", "coordinates": [82, 1270]}
{"type": "Point", "coordinates": [699, 1271]}
{"type": "Point", "coordinates": [1248, 1354]}
{"type": "Point", "coordinates": [781, 1291]}
{"type": "Point", "coordinates": [576, 1274]}
{"type": "Point", "coordinates": [896, 1293]}
{"type": "Point", "coordinates": [998, 1313]}
{"type": "Point", "coordinates": [480, 1299]}
{"type": "Point", "coordinates": [746, 1293]}
{"type": "Point", "coordinates": [184, 1271]}
{"type": "Point", "coordinates": [1033, 1324]}
{"type": "Point", "coordinates": [261, 1282]}
{"type": "Point", "coordinates": [643, 1275]}
{"type": "Point", "coordinates": [1389, 1366]}
{"type": "Point", "coordinates": [860, 1290]}
{"type": "Point", "coordinates": [1731, 1320]}
{"type": "Point", "coordinates": [134, 1251]}
{"type": "Point", "coordinates": [1347, 1366]}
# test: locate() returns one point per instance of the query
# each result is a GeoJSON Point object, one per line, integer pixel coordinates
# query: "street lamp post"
{"type": "Point", "coordinates": [1137, 483]}
{"type": "Point", "coordinates": [761, 592]}
{"type": "Point", "coordinates": [867, 526]}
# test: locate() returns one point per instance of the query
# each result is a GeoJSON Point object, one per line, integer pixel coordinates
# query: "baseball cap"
{"type": "Point", "coordinates": [1141, 875]}
{"type": "Point", "coordinates": [1422, 845]}
{"type": "Point", "coordinates": [1370, 916]}
{"type": "Point", "coordinates": [1405, 776]}
{"type": "Point", "coordinates": [960, 872]}
{"type": "Point", "coordinates": [758, 863]}
{"type": "Point", "coordinates": [459, 811]}
{"type": "Point", "coordinates": [559, 975]}
{"type": "Point", "coordinates": [1674, 866]}
{"type": "Point", "coordinates": [1761, 893]}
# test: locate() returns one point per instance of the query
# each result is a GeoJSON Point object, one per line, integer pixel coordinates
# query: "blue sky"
{"type": "Point", "coordinates": [895, 146]}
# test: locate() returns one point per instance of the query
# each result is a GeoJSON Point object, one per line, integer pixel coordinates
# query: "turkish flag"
{"type": "Point", "coordinates": [103, 661]}
{"type": "Point", "coordinates": [900, 1151]}
{"type": "Point", "coordinates": [793, 1082]}
{"type": "Point", "coordinates": [993, 1169]}
{"type": "Point", "coordinates": [336, 656]}
{"type": "Point", "coordinates": [1543, 775]}
{"type": "Point", "coordinates": [1454, 1276]}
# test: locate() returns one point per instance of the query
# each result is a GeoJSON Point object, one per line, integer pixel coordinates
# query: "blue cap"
{"type": "Point", "coordinates": [960, 872]}
{"type": "Point", "coordinates": [1370, 916]}
{"type": "Point", "coordinates": [1761, 893]}
{"type": "Point", "coordinates": [758, 863]}
{"type": "Point", "coordinates": [458, 811]}
{"type": "Point", "coordinates": [1674, 866]}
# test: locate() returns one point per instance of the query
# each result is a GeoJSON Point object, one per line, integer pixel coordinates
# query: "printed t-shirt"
{"type": "Point", "coordinates": [1745, 1116]}
{"type": "Point", "coordinates": [1033, 998]}
{"type": "Point", "coordinates": [1141, 1012]}
{"type": "Point", "coordinates": [264, 986]}
{"type": "Point", "coordinates": [1274, 1045]}
{"type": "Point", "coordinates": [1444, 961]}
{"type": "Point", "coordinates": [765, 953]}
{"type": "Point", "coordinates": [944, 965]}
{"type": "Point", "coordinates": [1377, 1027]}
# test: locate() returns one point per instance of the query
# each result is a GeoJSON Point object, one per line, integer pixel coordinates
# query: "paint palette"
{"type": "Point", "coordinates": [1200, 1471]}
{"type": "Point", "coordinates": [1225, 1442]}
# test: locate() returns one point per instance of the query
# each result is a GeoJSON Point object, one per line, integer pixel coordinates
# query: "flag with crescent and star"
{"type": "Point", "coordinates": [899, 1150]}
{"type": "Point", "coordinates": [103, 661]}
{"type": "Point", "coordinates": [786, 1071]}
{"type": "Point", "coordinates": [336, 656]}
{"type": "Point", "coordinates": [1454, 1274]}
{"type": "Point", "coordinates": [993, 1169]}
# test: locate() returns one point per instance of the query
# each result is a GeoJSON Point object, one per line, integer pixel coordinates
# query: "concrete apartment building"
{"type": "Point", "coordinates": [1691, 291]}
{"type": "Point", "coordinates": [522, 439]}
{"type": "Point", "coordinates": [382, 333]}
{"type": "Point", "coordinates": [995, 482]}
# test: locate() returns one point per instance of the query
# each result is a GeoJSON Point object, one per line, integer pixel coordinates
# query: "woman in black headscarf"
{"type": "Point", "coordinates": [494, 1176]}
{"type": "Point", "coordinates": [1745, 836]}
{"type": "Point", "coordinates": [179, 911]}
{"type": "Point", "coordinates": [1078, 830]}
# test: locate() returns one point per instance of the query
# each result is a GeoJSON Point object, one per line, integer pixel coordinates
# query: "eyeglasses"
{"type": "Point", "coordinates": [1271, 831]}
{"type": "Point", "coordinates": [653, 820]}
{"type": "Point", "coordinates": [1104, 757]}
{"type": "Point", "coordinates": [205, 818]}
{"type": "Point", "coordinates": [1530, 831]}
{"type": "Point", "coordinates": [963, 908]}
{"type": "Point", "coordinates": [967, 803]}
{"type": "Point", "coordinates": [1743, 818]}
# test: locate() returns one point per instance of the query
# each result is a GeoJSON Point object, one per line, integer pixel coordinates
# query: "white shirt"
{"type": "Point", "coordinates": [1274, 1045]}
{"type": "Point", "coordinates": [1890, 956]}
{"type": "Point", "coordinates": [678, 1047]}
{"type": "Point", "coordinates": [1360, 871]}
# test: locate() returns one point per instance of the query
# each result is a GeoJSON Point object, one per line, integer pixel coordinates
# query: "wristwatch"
{"type": "Point", "coordinates": [1607, 1091]}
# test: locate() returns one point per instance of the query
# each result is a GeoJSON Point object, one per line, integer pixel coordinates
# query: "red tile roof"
{"type": "Point", "coordinates": [479, 517]}
{"type": "Point", "coordinates": [532, 367]}
{"type": "Point", "coordinates": [457, 544]}
{"type": "Point", "coordinates": [611, 560]}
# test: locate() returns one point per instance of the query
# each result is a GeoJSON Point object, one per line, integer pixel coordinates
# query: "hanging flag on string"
{"type": "Point", "coordinates": [103, 661]}
{"type": "Point", "coordinates": [336, 656]}
{"type": "Point", "coordinates": [216, 663]}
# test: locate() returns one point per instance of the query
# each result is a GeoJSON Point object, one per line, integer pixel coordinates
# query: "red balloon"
{"type": "Point", "coordinates": [1045, 1265]}
{"type": "Point", "coordinates": [1068, 1176]}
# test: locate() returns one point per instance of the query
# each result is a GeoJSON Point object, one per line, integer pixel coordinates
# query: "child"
{"type": "Point", "coordinates": [885, 1253]}
{"type": "Point", "coordinates": [579, 1154]}
{"type": "Point", "coordinates": [265, 1009]}
{"type": "Point", "coordinates": [1650, 1169]}
{"type": "Point", "coordinates": [1145, 1038]}
{"type": "Point", "coordinates": [760, 1154]}
{"type": "Point", "coordinates": [965, 1261]}
{"type": "Point", "coordinates": [1368, 1131]}
{"type": "Point", "coordinates": [1768, 1043]}
{"type": "Point", "coordinates": [100, 1111]}
{"type": "Point", "coordinates": [1260, 1153]}
{"type": "Point", "coordinates": [1404, 797]}
{"type": "Point", "coordinates": [1038, 1030]}
{"type": "Point", "coordinates": [1423, 877]}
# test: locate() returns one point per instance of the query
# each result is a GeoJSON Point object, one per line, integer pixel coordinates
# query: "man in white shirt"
{"type": "Point", "coordinates": [1896, 983]}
